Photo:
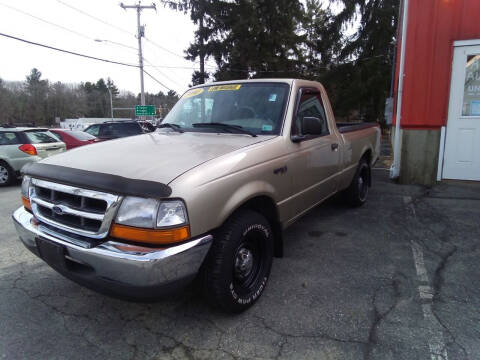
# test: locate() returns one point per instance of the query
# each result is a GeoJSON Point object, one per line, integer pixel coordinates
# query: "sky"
{"type": "Point", "coordinates": [165, 29]}
{"type": "Point", "coordinates": [167, 34]}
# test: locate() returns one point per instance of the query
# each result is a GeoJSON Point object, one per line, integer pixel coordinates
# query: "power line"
{"type": "Point", "coordinates": [67, 29]}
{"type": "Point", "coordinates": [94, 17]}
{"type": "Point", "coordinates": [158, 81]}
{"type": "Point", "coordinates": [175, 67]}
{"type": "Point", "coordinates": [47, 22]}
{"type": "Point", "coordinates": [116, 43]}
{"type": "Point", "coordinates": [165, 49]}
{"type": "Point", "coordinates": [67, 51]}
{"type": "Point", "coordinates": [169, 51]}
{"type": "Point", "coordinates": [160, 72]}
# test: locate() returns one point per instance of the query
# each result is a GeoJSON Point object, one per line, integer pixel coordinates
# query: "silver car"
{"type": "Point", "coordinates": [19, 146]}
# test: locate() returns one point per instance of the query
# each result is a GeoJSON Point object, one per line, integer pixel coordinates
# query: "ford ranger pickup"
{"type": "Point", "coordinates": [206, 196]}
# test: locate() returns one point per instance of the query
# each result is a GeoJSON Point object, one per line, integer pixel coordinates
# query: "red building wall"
{"type": "Point", "coordinates": [433, 26]}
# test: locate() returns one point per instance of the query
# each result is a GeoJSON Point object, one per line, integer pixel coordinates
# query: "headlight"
{"type": "Point", "coordinates": [171, 213]}
{"type": "Point", "coordinates": [138, 212]}
{"type": "Point", "coordinates": [151, 221]}
{"type": "Point", "coordinates": [26, 186]}
{"type": "Point", "coordinates": [150, 213]}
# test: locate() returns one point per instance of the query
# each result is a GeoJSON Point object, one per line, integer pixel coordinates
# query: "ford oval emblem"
{"type": "Point", "coordinates": [57, 210]}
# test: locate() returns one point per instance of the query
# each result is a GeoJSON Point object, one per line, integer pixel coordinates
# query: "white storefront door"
{"type": "Point", "coordinates": [462, 143]}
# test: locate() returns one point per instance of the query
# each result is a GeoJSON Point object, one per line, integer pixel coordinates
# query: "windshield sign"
{"type": "Point", "coordinates": [257, 108]}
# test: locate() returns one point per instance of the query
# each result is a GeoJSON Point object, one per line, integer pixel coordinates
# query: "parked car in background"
{"type": "Point", "coordinates": [19, 146]}
{"type": "Point", "coordinates": [74, 138]}
{"type": "Point", "coordinates": [115, 129]}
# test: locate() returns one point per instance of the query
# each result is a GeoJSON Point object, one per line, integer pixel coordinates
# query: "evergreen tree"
{"type": "Point", "coordinates": [37, 91]}
{"type": "Point", "coordinates": [366, 79]}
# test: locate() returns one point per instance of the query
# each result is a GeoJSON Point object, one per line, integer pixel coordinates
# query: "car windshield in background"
{"type": "Point", "coordinates": [255, 107]}
{"type": "Point", "coordinates": [81, 135]}
{"type": "Point", "coordinates": [41, 137]}
{"type": "Point", "coordinates": [120, 129]}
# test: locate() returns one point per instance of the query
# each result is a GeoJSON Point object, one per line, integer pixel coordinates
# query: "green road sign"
{"type": "Point", "coordinates": [145, 110]}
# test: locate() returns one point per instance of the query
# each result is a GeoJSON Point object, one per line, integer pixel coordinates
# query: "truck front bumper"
{"type": "Point", "coordinates": [115, 268]}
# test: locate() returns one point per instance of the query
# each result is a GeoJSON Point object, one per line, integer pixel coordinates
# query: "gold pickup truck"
{"type": "Point", "coordinates": [205, 196]}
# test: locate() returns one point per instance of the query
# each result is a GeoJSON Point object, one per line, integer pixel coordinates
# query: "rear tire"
{"type": "Point", "coordinates": [239, 262]}
{"type": "Point", "coordinates": [6, 174]}
{"type": "Point", "coordinates": [356, 194]}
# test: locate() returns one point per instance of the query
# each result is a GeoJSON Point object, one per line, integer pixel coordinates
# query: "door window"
{"type": "Point", "coordinates": [471, 89]}
{"type": "Point", "coordinates": [310, 105]}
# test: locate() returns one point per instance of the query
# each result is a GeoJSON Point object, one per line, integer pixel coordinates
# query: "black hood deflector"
{"type": "Point", "coordinates": [113, 184]}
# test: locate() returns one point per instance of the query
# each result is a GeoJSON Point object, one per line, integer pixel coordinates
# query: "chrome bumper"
{"type": "Point", "coordinates": [113, 267]}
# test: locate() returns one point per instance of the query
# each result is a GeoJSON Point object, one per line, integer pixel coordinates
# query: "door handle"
{"type": "Point", "coordinates": [334, 147]}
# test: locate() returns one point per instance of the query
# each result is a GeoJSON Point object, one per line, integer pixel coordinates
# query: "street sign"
{"type": "Point", "coordinates": [145, 110]}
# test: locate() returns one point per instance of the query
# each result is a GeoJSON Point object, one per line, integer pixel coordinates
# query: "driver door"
{"type": "Point", "coordinates": [316, 158]}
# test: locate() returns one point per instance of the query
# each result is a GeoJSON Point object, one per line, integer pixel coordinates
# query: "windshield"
{"type": "Point", "coordinates": [256, 107]}
{"type": "Point", "coordinates": [41, 137]}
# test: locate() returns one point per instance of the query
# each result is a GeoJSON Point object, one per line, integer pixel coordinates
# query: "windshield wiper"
{"type": "Point", "coordinates": [237, 128]}
{"type": "Point", "coordinates": [174, 127]}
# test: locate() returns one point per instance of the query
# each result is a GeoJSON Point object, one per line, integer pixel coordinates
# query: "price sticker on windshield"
{"type": "Point", "coordinates": [224, 87]}
{"type": "Point", "coordinates": [193, 92]}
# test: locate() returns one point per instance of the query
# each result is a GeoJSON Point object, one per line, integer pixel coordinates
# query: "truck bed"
{"type": "Point", "coordinates": [345, 127]}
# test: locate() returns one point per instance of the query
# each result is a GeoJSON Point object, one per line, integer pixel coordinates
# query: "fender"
{"type": "Point", "coordinates": [243, 194]}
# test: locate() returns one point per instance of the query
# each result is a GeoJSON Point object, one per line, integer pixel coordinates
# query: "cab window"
{"type": "Point", "coordinates": [310, 105]}
{"type": "Point", "coordinates": [8, 138]}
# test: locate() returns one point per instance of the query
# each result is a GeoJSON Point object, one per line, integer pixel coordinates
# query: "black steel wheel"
{"type": "Point", "coordinates": [357, 193]}
{"type": "Point", "coordinates": [239, 262]}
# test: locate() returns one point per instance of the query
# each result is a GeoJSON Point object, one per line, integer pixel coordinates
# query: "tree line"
{"type": "Point", "coordinates": [249, 39]}
{"type": "Point", "coordinates": [301, 39]}
{"type": "Point", "coordinates": [38, 102]}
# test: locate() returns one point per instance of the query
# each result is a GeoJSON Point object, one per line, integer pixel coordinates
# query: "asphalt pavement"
{"type": "Point", "coordinates": [395, 279]}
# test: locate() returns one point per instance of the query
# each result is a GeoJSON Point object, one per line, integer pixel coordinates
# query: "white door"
{"type": "Point", "coordinates": [462, 144]}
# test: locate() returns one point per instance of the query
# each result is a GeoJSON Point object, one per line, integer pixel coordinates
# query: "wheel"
{"type": "Point", "coordinates": [239, 262]}
{"type": "Point", "coordinates": [356, 194]}
{"type": "Point", "coordinates": [6, 174]}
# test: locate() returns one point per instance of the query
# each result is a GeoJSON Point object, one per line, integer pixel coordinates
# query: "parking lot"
{"type": "Point", "coordinates": [395, 279]}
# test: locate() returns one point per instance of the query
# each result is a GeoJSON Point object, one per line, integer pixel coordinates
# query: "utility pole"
{"type": "Point", "coordinates": [140, 34]}
{"type": "Point", "coordinates": [202, 52]}
{"type": "Point", "coordinates": [111, 102]}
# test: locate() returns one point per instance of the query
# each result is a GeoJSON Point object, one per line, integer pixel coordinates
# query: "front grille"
{"type": "Point", "coordinates": [70, 220]}
{"type": "Point", "coordinates": [72, 200]}
{"type": "Point", "coordinates": [80, 211]}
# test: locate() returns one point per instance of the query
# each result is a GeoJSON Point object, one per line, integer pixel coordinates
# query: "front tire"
{"type": "Point", "coordinates": [356, 194]}
{"type": "Point", "coordinates": [6, 174]}
{"type": "Point", "coordinates": [239, 262]}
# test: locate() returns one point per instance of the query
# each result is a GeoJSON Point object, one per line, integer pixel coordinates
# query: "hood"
{"type": "Point", "coordinates": [159, 156]}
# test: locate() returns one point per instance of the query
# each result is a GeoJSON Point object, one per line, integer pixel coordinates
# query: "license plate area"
{"type": "Point", "coordinates": [52, 253]}
{"type": "Point", "coordinates": [57, 257]}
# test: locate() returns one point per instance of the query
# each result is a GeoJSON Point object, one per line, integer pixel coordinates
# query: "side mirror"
{"type": "Point", "coordinates": [311, 126]}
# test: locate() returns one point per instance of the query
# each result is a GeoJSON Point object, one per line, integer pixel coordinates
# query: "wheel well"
{"type": "Point", "coordinates": [367, 155]}
{"type": "Point", "coordinates": [5, 162]}
{"type": "Point", "coordinates": [266, 206]}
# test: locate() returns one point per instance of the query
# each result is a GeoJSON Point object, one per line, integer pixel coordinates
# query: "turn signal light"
{"type": "Point", "coordinates": [28, 148]}
{"type": "Point", "coordinates": [150, 236]}
{"type": "Point", "coordinates": [26, 203]}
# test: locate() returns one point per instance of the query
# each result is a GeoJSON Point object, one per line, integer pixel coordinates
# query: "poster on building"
{"type": "Point", "coordinates": [471, 93]}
